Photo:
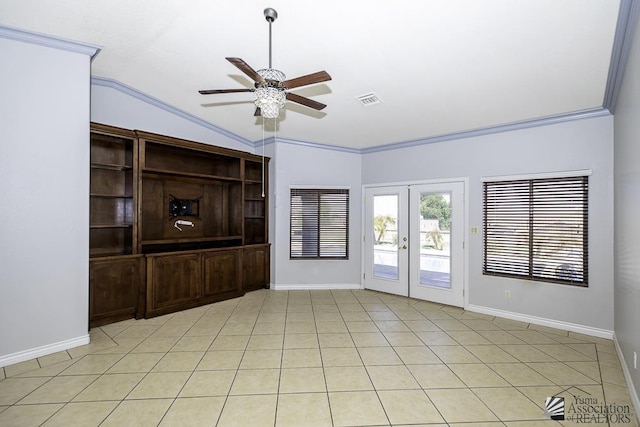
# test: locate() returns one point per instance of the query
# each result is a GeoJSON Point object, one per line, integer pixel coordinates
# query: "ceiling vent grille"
{"type": "Point", "coordinates": [369, 99]}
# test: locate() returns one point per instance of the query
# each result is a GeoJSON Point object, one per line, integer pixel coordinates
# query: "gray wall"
{"type": "Point", "coordinates": [575, 145]}
{"type": "Point", "coordinates": [309, 166]}
{"type": "Point", "coordinates": [627, 215]}
{"type": "Point", "coordinates": [44, 189]}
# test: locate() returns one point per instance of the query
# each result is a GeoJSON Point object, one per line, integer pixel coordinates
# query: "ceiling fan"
{"type": "Point", "coordinates": [270, 87]}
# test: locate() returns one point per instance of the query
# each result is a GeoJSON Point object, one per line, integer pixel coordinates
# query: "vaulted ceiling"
{"type": "Point", "coordinates": [439, 67]}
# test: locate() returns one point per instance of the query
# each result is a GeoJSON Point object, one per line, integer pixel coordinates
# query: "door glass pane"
{"type": "Point", "coordinates": [385, 236]}
{"type": "Point", "coordinates": [435, 239]}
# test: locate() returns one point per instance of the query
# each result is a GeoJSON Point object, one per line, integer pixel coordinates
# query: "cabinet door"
{"type": "Point", "coordinates": [255, 268]}
{"type": "Point", "coordinates": [114, 286]}
{"type": "Point", "coordinates": [173, 280]}
{"type": "Point", "coordinates": [222, 272]}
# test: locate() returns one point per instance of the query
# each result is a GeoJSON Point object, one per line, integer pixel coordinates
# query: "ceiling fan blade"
{"type": "Point", "coordinates": [320, 76]}
{"type": "Point", "coordinates": [214, 91]}
{"type": "Point", "coordinates": [305, 101]}
{"type": "Point", "coordinates": [246, 68]}
{"type": "Point", "coordinates": [258, 112]}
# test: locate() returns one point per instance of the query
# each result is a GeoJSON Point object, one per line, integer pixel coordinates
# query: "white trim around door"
{"type": "Point", "coordinates": [396, 249]}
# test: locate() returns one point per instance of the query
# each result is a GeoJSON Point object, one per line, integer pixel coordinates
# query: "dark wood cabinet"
{"type": "Point", "coordinates": [173, 281]}
{"type": "Point", "coordinates": [115, 291]}
{"type": "Point", "coordinates": [195, 216]}
{"type": "Point", "coordinates": [255, 268]}
{"type": "Point", "coordinates": [179, 280]}
{"type": "Point", "coordinates": [222, 272]}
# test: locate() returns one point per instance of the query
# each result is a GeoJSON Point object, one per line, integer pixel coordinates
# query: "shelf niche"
{"type": "Point", "coordinates": [112, 188]}
{"type": "Point", "coordinates": [255, 202]}
{"type": "Point", "coordinates": [219, 215]}
{"type": "Point", "coordinates": [190, 162]}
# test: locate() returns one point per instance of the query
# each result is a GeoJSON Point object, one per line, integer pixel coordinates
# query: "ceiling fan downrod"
{"type": "Point", "coordinates": [270, 15]}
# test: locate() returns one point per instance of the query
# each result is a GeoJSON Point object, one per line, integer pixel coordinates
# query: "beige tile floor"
{"type": "Point", "coordinates": [319, 358]}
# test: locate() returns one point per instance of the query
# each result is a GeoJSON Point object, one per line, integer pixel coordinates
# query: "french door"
{"type": "Point", "coordinates": [414, 241]}
{"type": "Point", "coordinates": [386, 239]}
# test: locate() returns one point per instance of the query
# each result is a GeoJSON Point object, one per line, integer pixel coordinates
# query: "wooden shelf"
{"type": "Point", "coordinates": [107, 226]}
{"type": "Point", "coordinates": [112, 196]}
{"type": "Point", "coordinates": [106, 252]}
{"type": "Point", "coordinates": [190, 240]}
{"type": "Point", "coordinates": [191, 175]}
{"type": "Point", "coordinates": [111, 166]}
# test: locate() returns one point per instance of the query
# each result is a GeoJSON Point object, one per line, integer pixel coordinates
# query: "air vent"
{"type": "Point", "coordinates": [369, 99]}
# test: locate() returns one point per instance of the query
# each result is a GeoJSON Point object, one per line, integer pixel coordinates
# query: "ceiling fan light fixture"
{"type": "Point", "coordinates": [270, 85]}
{"type": "Point", "coordinates": [270, 94]}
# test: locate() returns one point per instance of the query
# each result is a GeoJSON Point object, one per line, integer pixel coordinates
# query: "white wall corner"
{"type": "Point", "coordinates": [557, 324]}
{"type": "Point", "coordinates": [633, 393]}
{"type": "Point", "coordinates": [23, 356]}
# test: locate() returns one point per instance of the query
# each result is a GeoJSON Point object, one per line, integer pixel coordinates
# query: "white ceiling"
{"type": "Point", "coordinates": [439, 67]}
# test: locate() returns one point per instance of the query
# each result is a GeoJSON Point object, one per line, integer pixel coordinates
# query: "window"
{"type": "Point", "coordinates": [537, 229]}
{"type": "Point", "coordinates": [319, 223]}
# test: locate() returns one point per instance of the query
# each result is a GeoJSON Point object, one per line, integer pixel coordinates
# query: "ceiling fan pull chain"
{"type": "Point", "coordinates": [262, 156]}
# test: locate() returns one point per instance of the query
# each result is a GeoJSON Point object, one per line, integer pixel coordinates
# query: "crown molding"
{"type": "Point", "coordinates": [524, 124]}
{"type": "Point", "coordinates": [272, 140]}
{"type": "Point", "coordinates": [135, 93]}
{"type": "Point", "coordinates": [625, 30]}
{"type": "Point", "coordinates": [17, 34]}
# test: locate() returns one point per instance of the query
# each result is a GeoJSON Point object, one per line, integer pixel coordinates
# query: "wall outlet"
{"type": "Point", "coordinates": [635, 360]}
{"type": "Point", "coordinates": [507, 294]}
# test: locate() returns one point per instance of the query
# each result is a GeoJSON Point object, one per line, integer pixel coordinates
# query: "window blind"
{"type": "Point", "coordinates": [319, 223]}
{"type": "Point", "coordinates": [537, 229]}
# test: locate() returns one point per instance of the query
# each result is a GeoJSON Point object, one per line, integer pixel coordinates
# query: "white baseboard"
{"type": "Point", "coordinates": [22, 356]}
{"type": "Point", "coordinates": [316, 287]}
{"type": "Point", "coordinates": [633, 394]}
{"type": "Point", "coordinates": [565, 326]}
